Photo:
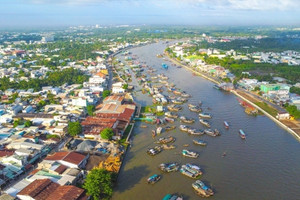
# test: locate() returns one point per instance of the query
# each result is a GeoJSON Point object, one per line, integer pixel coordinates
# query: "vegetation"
{"type": "Point", "coordinates": [90, 110]}
{"type": "Point", "coordinates": [74, 128]}
{"type": "Point", "coordinates": [105, 94]}
{"type": "Point", "coordinates": [49, 136]}
{"type": "Point", "coordinates": [107, 133]}
{"type": "Point", "coordinates": [125, 86]}
{"type": "Point", "coordinates": [267, 108]}
{"type": "Point", "coordinates": [292, 109]}
{"type": "Point", "coordinates": [295, 90]}
{"type": "Point", "coordinates": [98, 184]}
{"type": "Point", "coordinates": [28, 123]}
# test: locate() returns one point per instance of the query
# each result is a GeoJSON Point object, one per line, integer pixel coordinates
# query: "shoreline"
{"type": "Point", "coordinates": [281, 124]}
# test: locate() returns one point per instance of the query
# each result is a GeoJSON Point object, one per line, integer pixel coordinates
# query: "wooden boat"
{"type": "Point", "coordinates": [154, 151]}
{"type": "Point", "coordinates": [184, 128]}
{"type": "Point", "coordinates": [200, 142]}
{"type": "Point", "coordinates": [170, 120]}
{"type": "Point", "coordinates": [205, 115]}
{"type": "Point", "coordinates": [217, 132]}
{"type": "Point", "coordinates": [204, 122]}
{"type": "Point", "coordinates": [202, 189]}
{"type": "Point", "coordinates": [153, 133]}
{"type": "Point", "coordinates": [158, 130]}
{"type": "Point", "coordinates": [185, 95]}
{"type": "Point", "coordinates": [226, 124]}
{"type": "Point", "coordinates": [144, 126]}
{"type": "Point", "coordinates": [168, 147]}
{"type": "Point", "coordinates": [153, 179]}
{"type": "Point", "coordinates": [186, 145]}
{"type": "Point", "coordinates": [171, 115]}
{"type": "Point", "coordinates": [195, 131]}
{"type": "Point", "coordinates": [176, 101]}
{"type": "Point", "coordinates": [169, 167]}
{"type": "Point", "coordinates": [169, 128]}
{"type": "Point", "coordinates": [165, 140]}
{"type": "Point", "coordinates": [195, 109]}
{"type": "Point", "coordinates": [176, 92]}
{"type": "Point", "coordinates": [172, 197]}
{"type": "Point", "coordinates": [186, 120]}
{"type": "Point", "coordinates": [190, 154]}
{"type": "Point", "coordinates": [174, 108]}
{"type": "Point", "coordinates": [192, 171]}
{"type": "Point", "coordinates": [242, 134]}
{"type": "Point", "coordinates": [210, 132]}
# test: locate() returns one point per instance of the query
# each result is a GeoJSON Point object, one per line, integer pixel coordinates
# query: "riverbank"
{"type": "Point", "coordinates": [288, 126]}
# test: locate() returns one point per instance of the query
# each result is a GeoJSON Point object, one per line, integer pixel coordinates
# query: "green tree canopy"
{"type": "Point", "coordinates": [107, 133]}
{"type": "Point", "coordinates": [74, 128]}
{"type": "Point", "coordinates": [105, 93]}
{"type": "Point", "coordinates": [125, 86]}
{"type": "Point", "coordinates": [28, 123]}
{"type": "Point", "coordinates": [98, 184]}
{"type": "Point", "coordinates": [90, 110]}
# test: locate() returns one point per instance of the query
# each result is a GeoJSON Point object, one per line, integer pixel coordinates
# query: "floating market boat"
{"type": "Point", "coordinates": [211, 132]}
{"type": "Point", "coordinates": [158, 130]}
{"type": "Point", "coordinates": [186, 120]}
{"type": "Point", "coordinates": [195, 109]}
{"type": "Point", "coordinates": [168, 147]}
{"type": "Point", "coordinates": [176, 92]}
{"type": "Point", "coordinates": [153, 133]}
{"type": "Point", "coordinates": [154, 151]}
{"type": "Point", "coordinates": [169, 128]}
{"type": "Point", "coordinates": [192, 171]}
{"type": "Point", "coordinates": [153, 179]}
{"type": "Point", "coordinates": [165, 140]}
{"type": "Point", "coordinates": [175, 108]}
{"type": "Point", "coordinates": [200, 142]}
{"type": "Point", "coordinates": [242, 134]}
{"type": "Point", "coordinates": [172, 115]}
{"type": "Point", "coordinates": [202, 189]}
{"type": "Point", "coordinates": [169, 167]}
{"type": "Point", "coordinates": [226, 124]}
{"type": "Point", "coordinates": [190, 154]}
{"type": "Point", "coordinates": [183, 94]}
{"type": "Point", "coordinates": [184, 128]}
{"type": "Point", "coordinates": [204, 115]}
{"type": "Point", "coordinates": [195, 131]}
{"type": "Point", "coordinates": [204, 122]}
{"type": "Point", "coordinates": [170, 120]}
{"type": "Point", "coordinates": [172, 197]}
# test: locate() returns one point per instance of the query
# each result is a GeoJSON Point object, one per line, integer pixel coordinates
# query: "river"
{"type": "Point", "coordinates": [264, 166]}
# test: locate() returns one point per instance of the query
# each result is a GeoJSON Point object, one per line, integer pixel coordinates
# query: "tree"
{"type": "Point", "coordinates": [28, 123]}
{"type": "Point", "coordinates": [98, 184]}
{"type": "Point", "coordinates": [17, 123]}
{"type": "Point", "coordinates": [90, 110]}
{"type": "Point", "coordinates": [105, 93]}
{"type": "Point", "coordinates": [74, 128]}
{"type": "Point", "coordinates": [107, 133]}
{"type": "Point", "coordinates": [125, 86]}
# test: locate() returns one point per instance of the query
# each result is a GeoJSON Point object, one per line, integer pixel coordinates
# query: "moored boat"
{"type": "Point", "coordinates": [169, 128]}
{"type": "Point", "coordinates": [165, 140]}
{"type": "Point", "coordinates": [242, 134]}
{"type": "Point", "coordinates": [226, 124]}
{"type": "Point", "coordinates": [172, 115]}
{"type": "Point", "coordinates": [205, 115]}
{"type": "Point", "coordinates": [202, 189]}
{"type": "Point", "coordinates": [184, 128]}
{"type": "Point", "coordinates": [190, 170]}
{"type": "Point", "coordinates": [172, 197]}
{"type": "Point", "coordinates": [195, 109]}
{"type": "Point", "coordinates": [154, 151]}
{"type": "Point", "coordinates": [200, 142]}
{"type": "Point", "coordinates": [211, 132]}
{"type": "Point", "coordinates": [186, 120]}
{"type": "Point", "coordinates": [170, 120]}
{"type": "Point", "coordinates": [204, 122]}
{"type": "Point", "coordinates": [169, 167]}
{"type": "Point", "coordinates": [168, 147]}
{"type": "Point", "coordinates": [190, 154]}
{"type": "Point", "coordinates": [153, 179]}
{"type": "Point", "coordinates": [174, 108]}
{"type": "Point", "coordinates": [158, 130]}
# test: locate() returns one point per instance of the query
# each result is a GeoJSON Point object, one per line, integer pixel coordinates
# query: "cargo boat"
{"type": "Point", "coordinates": [200, 142]}
{"type": "Point", "coordinates": [154, 151]}
{"type": "Point", "coordinates": [186, 120]}
{"type": "Point", "coordinates": [202, 189]}
{"type": "Point", "coordinates": [172, 197]}
{"type": "Point", "coordinates": [153, 179]}
{"type": "Point", "coordinates": [190, 154]}
{"type": "Point", "coordinates": [192, 171]}
{"type": "Point", "coordinates": [204, 122]}
{"type": "Point", "coordinates": [166, 140]}
{"type": "Point", "coordinates": [169, 167]}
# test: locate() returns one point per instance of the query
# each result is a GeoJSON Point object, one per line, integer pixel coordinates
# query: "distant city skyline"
{"type": "Point", "coordinates": [33, 13]}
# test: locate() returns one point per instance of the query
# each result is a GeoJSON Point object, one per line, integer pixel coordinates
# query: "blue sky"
{"type": "Point", "coordinates": [28, 13]}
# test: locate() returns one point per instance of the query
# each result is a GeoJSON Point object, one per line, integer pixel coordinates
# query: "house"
{"type": "Point", "coordinates": [69, 159]}
{"type": "Point", "coordinates": [283, 116]}
{"type": "Point", "coordinates": [45, 189]}
{"type": "Point", "coordinates": [117, 88]}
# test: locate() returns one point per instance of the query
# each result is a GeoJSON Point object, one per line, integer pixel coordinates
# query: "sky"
{"type": "Point", "coordinates": [34, 13]}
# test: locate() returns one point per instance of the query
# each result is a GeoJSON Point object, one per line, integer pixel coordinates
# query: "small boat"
{"type": "Point", "coordinates": [168, 147]}
{"type": "Point", "coordinates": [176, 101]}
{"type": "Point", "coordinates": [171, 115]}
{"type": "Point", "coordinates": [153, 179]}
{"type": "Point", "coordinates": [242, 134]}
{"type": "Point", "coordinates": [169, 167]}
{"type": "Point", "coordinates": [172, 197]}
{"type": "Point", "coordinates": [200, 142]}
{"type": "Point", "coordinates": [169, 128]}
{"type": "Point", "coordinates": [210, 132]}
{"type": "Point", "coordinates": [204, 122]}
{"type": "Point", "coordinates": [165, 66]}
{"type": "Point", "coordinates": [144, 126]}
{"type": "Point", "coordinates": [158, 130]}
{"type": "Point", "coordinates": [195, 109]}
{"type": "Point", "coordinates": [176, 92]}
{"type": "Point", "coordinates": [202, 189]}
{"type": "Point", "coordinates": [166, 140]}
{"type": "Point", "coordinates": [170, 120]}
{"type": "Point", "coordinates": [154, 151]}
{"type": "Point", "coordinates": [185, 95]}
{"type": "Point", "coordinates": [216, 87]}
{"type": "Point", "coordinates": [204, 115]}
{"type": "Point", "coordinates": [224, 154]}
{"type": "Point", "coordinates": [186, 120]}
{"type": "Point", "coordinates": [191, 105]}
{"type": "Point", "coordinates": [190, 154]}
{"type": "Point", "coordinates": [217, 132]}
{"type": "Point", "coordinates": [184, 128]}
{"type": "Point", "coordinates": [226, 124]}
{"type": "Point", "coordinates": [195, 131]}
{"type": "Point", "coordinates": [174, 108]}
{"type": "Point", "coordinates": [153, 133]}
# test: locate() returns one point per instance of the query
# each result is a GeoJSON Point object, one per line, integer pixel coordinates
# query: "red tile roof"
{"type": "Point", "coordinates": [67, 192]}
{"type": "Point", "coordinates": [71, 157]}
{"type": "Point", "coordinates": [6, 152]}
{"type": "Point", "coordinates": [61, 169]}
{"type": "Point", "coordinates": [39, 189]}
